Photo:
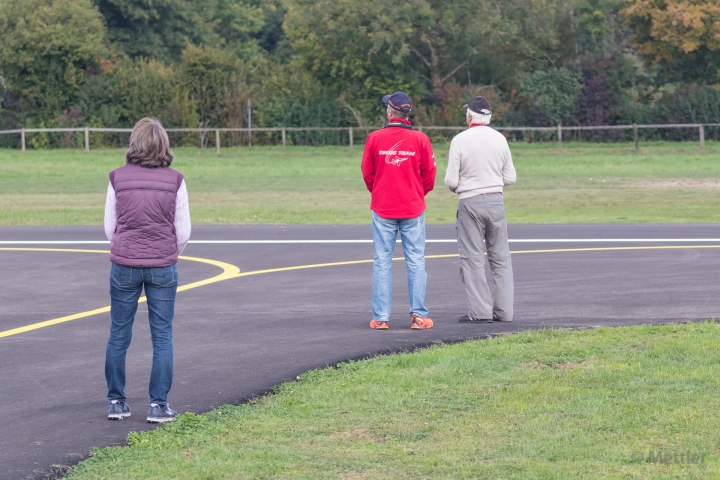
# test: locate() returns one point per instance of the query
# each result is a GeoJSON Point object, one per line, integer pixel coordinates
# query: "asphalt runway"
{"type": "Point", "coordinates": [236, 336]}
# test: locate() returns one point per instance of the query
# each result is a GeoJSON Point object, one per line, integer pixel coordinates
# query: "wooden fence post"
{"type": "Point", "coordinates": [350, 136]}
{"type": "Point", "coordinates": [284, 140]}
{"type": "Point", "coordinates": [635, 136]}
{"type": "Point", "coordinates": [249, 120]}
{"type": "Point", "coordinates": [22, 139]}
{"type": "Point", "coordinates": [87, 139]}
{"type": "Point", "coordinates": [217, 141]}
{"type": "Point", "coordinates": [702, 136]}
{"type": "Point", "coordinates": [559, 136]}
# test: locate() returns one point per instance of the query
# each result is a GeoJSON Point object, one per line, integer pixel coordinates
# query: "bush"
{"type": "Point", "coordinates": [553, 94]}
{"type": "Point", "coordinates": [47, 48]}
{"type": "Point", "coordinates": [291, 98]}
{"type": "Point", "coordinates": [129, 90]}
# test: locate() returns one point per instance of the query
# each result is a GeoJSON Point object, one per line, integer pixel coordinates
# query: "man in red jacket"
{"type": "Point", "coordinates": [398, 166]}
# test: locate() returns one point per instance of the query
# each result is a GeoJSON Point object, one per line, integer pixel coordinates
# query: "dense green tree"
{"type": "Point", "coordinates": [271, 36]}
{"type": "Point", "coordinates": [367, 48]}
{"type": "Point", "coordinates": [162, 29]}
{"type": "Point", "coordinates": [344, 45]}
{"type": "Point", "coordinates": [690, 104]}
{"type": "Point", "coordinates": [47, 47]}
{"type": "Point", "coordinates": [215, 81]}
{"type": "Point", "coordinates": [327, 62]}
{"type": "Point", "coordinates": [232, 24]}
{"type": "Point", "coordinates": [552, 93]}
{"type": "Point", "coordinates": [158, 29]}
{"type": "Point", "coordinates": [130, 89]}
{"type": "Point", "coordinates": [294, 98]}
{"type": "Point", "coordinates": [596, 28]}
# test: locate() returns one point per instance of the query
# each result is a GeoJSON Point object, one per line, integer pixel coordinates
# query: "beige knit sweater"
{"type": "Point", "coordinates": [479, 162]}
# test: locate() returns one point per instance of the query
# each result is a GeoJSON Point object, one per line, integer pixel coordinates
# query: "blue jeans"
{"type": "Point", "coordinates": [412, 233]}
{"type": "Point", "coordinates": [126, 285]}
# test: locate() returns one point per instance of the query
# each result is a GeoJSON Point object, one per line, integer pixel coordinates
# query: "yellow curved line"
{"type": "Point", "coordinates": [231, 271]}
{"type": "Point", "coordinates": [455, 255]}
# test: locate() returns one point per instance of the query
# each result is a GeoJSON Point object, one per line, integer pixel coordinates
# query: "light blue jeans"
{"type": "Point", "coordinates": [126, 285]}
{"type": "Point", "coordinates": [412, 233]}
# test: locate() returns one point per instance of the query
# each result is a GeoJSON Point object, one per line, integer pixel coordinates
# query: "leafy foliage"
{"type": "Point", "coordinates": [132, 89]}
{"type": "Point", "coordinates": [151, 28]}
{"type": "Point", "coordinates": [47, 48]}
{"type": "Point", "coordinates": [216, 85]}
{"type": "Point", "coordinates": [328, 62]}
{"type": "Point", "coordinates": [681, 35]}
{"type": "Point", "coordinates": [554, 93]}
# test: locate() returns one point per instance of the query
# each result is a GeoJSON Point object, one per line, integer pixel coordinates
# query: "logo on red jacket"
{"type": "Point", "coordinates": [396, 157]}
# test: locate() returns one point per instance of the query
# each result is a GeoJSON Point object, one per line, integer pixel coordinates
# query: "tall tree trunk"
{"type": "Point", "coordinates": [436, 79]}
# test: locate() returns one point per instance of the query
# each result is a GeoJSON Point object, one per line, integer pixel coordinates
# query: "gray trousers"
{"type": "Point", "coordinates": [482, 217]}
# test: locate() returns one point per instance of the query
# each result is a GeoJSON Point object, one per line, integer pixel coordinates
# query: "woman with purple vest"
{"type": "Point", "coordinates": [147, 220]}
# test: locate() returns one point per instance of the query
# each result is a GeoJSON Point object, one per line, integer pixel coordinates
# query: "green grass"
{"type": "Point", "coordinates": [675, 182]}
{"type": "Point", "coordinates": [547, 404]}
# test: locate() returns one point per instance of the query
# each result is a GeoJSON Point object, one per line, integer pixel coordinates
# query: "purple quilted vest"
{"type": "Point", "coordinates": [145, 232]}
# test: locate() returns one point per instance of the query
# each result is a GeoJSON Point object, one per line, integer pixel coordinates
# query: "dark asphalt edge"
{"type": "Point", "coordinates": [58, 472]}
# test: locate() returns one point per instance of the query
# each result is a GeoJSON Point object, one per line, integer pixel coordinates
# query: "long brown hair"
{"type": "Point", "coordinates": [149, 144]}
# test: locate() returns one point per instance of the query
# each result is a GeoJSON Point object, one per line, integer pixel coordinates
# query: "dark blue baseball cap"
{"type": "Point", "coordinates": [398, 101]}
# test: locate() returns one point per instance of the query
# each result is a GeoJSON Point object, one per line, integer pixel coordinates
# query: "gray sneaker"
{"type": "Point", "coordinates": [469, 319]}
{"type": "Point", "coordinates": [117, 410]}
{"type": "Point", "coordinates": [160, 413]}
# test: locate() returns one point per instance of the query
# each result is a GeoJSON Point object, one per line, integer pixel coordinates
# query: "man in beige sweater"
{"type": "Point", "coordinates": [479, 166]}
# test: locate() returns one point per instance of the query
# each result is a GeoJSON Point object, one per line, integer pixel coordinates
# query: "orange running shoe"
{"type": "Point", "coordinates": [379, 324]}
{"type": "Point", "coordinates": [420, 323]}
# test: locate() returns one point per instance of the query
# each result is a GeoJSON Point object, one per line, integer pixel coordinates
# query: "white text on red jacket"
{"type": "Point", "coordinates": [396, 157]}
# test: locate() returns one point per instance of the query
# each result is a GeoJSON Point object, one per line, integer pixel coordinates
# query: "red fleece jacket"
{"type": "Point", "coordinates": [398, 166]}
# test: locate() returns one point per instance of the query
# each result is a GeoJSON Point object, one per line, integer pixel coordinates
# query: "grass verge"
{"type": "Point", "coordinates": [583, 183]}
{"type": "Point", "coordinates": [542, 404]}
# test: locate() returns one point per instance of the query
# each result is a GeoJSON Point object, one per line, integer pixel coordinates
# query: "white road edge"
{"type": "Point", "coordinates": [441, 240]}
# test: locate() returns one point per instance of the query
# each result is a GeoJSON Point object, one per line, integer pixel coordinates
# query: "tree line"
{"type": "Point", "coordinates": [195, 63]}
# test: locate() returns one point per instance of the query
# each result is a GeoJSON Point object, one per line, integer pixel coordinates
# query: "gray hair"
{"type": "Point", "coordinates": [398, 113]}
{"type": "Point", "coordinates": [479, 118]}
{"type": "Point", "coordinates": [149, 144]}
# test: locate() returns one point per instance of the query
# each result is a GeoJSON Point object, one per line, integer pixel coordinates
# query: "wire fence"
{"type": "Point", "coordinates": [230, 137]}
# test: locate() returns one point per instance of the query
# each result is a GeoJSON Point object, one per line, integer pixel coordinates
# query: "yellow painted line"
{"type": "Point", "coordinates": [231, 271]}
{"type": "Point", "coordinates": [304, 267]}
{"type": "Point", "coordinates": [72, 250]}
{"type": "Point", "coordinates": [55, 321]}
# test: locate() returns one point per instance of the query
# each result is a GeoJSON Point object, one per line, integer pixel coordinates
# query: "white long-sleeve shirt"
{"type": "Point", "coordinates": [479, 162]}
{"type": "Point", "coordinates": [182, 216]}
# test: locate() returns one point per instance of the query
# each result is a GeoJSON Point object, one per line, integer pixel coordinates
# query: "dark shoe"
{"type": "Point", "coordinates": [497, 319]}
{"type": "Point", "coordinates": [117, 410]}
{"type": "Point", "coordinates": [469, 319]}
{"type": "Point", "coordinates": [160, 414]}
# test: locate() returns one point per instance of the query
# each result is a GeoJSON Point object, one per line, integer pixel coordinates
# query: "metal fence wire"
{"type": "Point", "coordinates": [233, 137]}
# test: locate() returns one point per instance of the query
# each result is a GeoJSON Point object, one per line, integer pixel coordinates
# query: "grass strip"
{"type": "Point", "coordinates": [630, 402]}
{"type": "Point", "coordinates": [583, 183]}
